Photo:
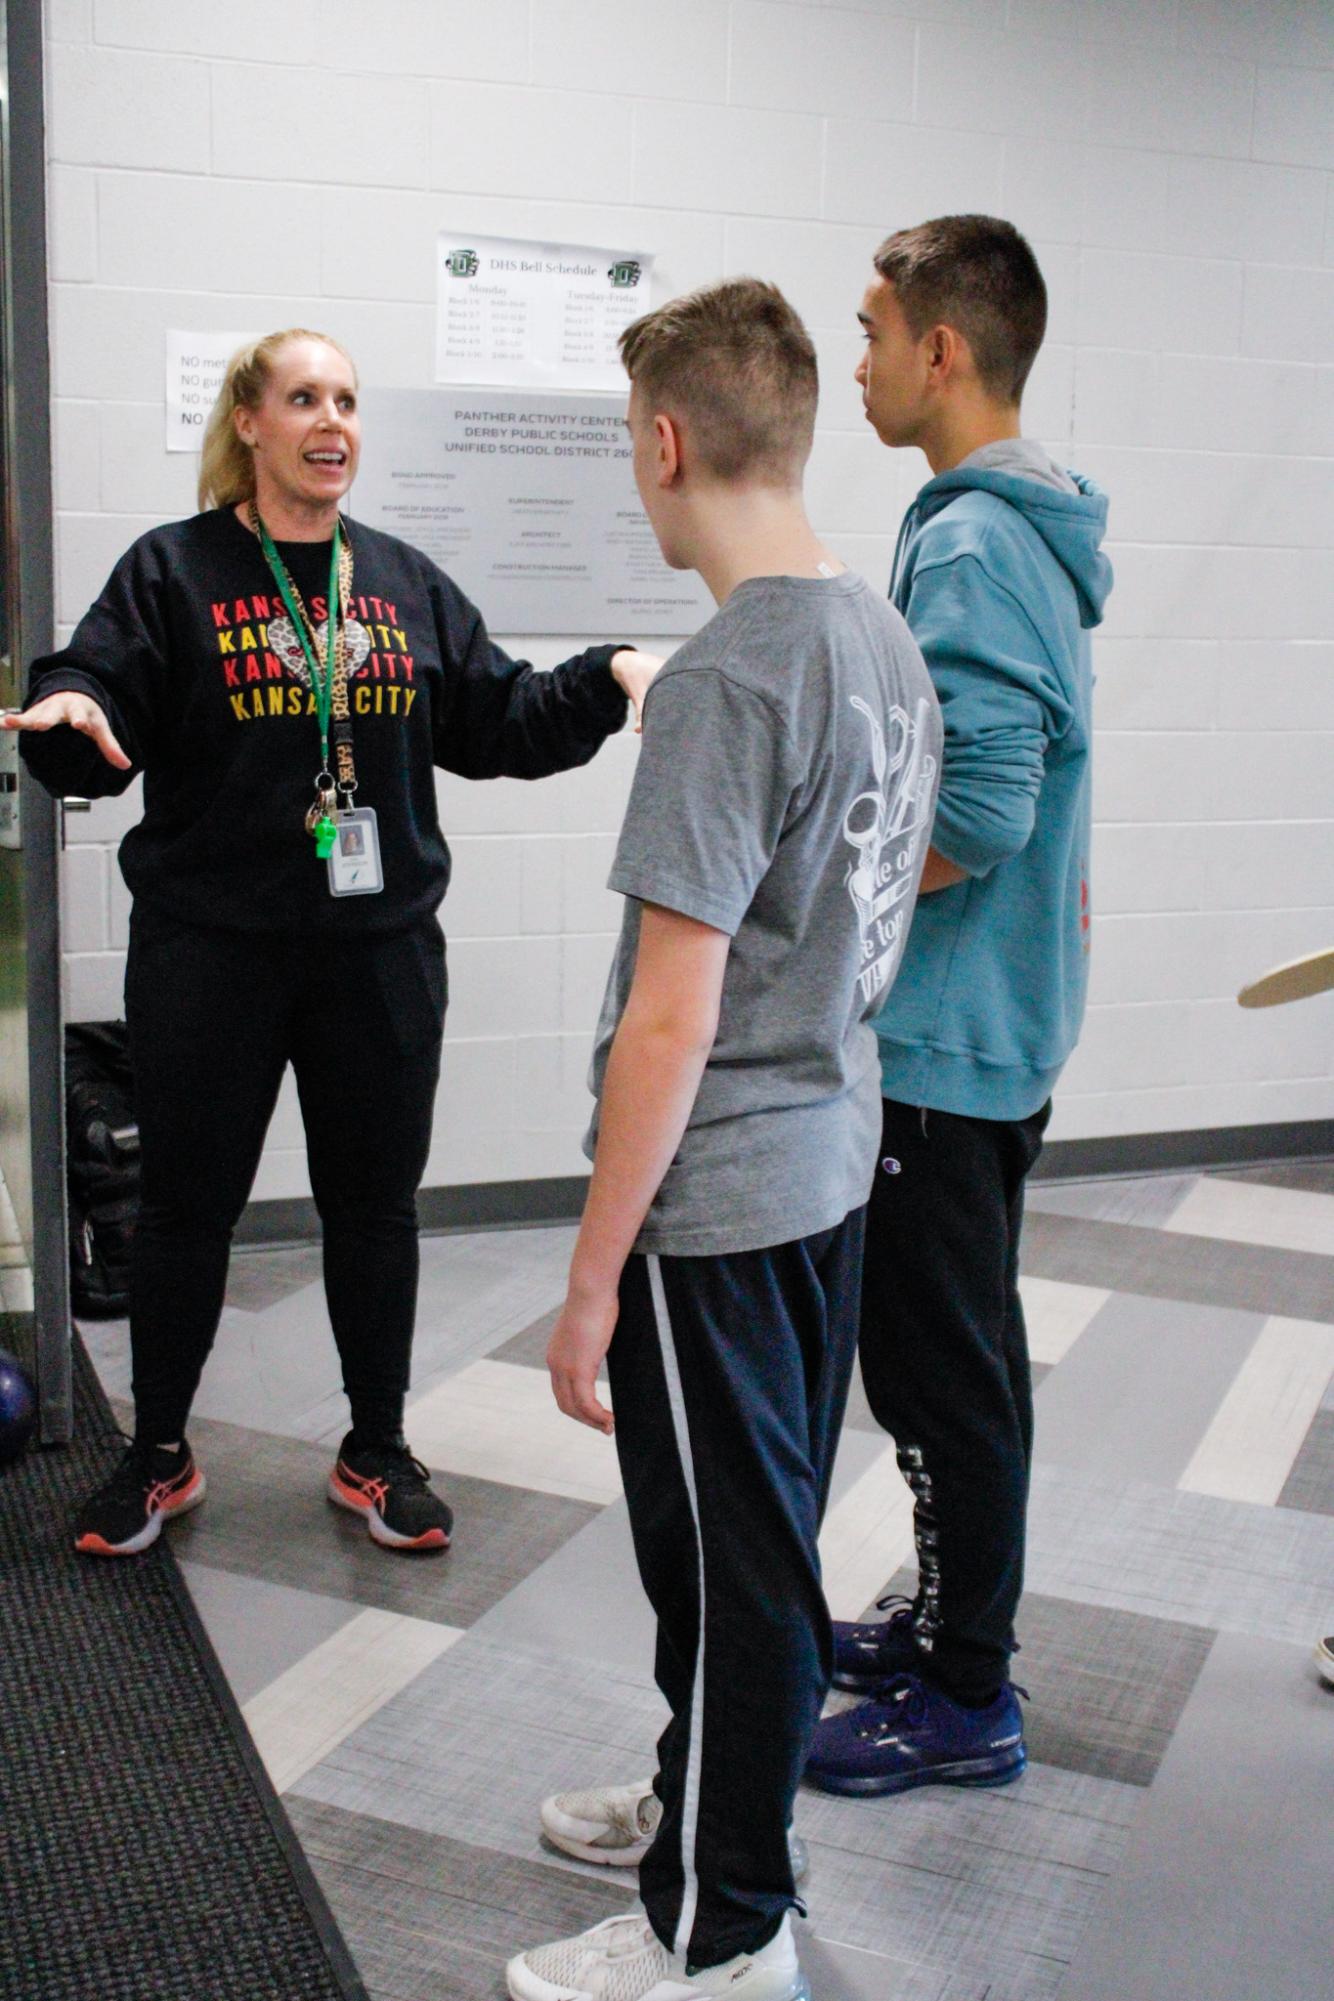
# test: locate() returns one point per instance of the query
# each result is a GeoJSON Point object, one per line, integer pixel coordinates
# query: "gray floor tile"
{"type": "Point", "coordinates": [483, 1734]}
{"type": "Point", "coordinates": [1192, 1557]}
{"type": "Point", "coordinates": [1106, 1687]}
{"type": "Point", "coordinates": [585, 1601]}
{"type": "Point", "coordinates": [267, 1516]}
{"type": "Point", "coordinates": [991, 1886]}
{"type": "Point", "coordinates": [477, 1291]}
{"type": "Point", "coordinates": [1310, 1484]}
{"type": "Point", "coordinates": [434, 1918]}
{"type": "Point", "coordinates": [258, 1279]}
{"type": "Point", "coordinates": [108, 1345]}
{"type": "Point", "coordinates": [844, 1973]}
{"type": "Point", "coordinates": [1311, 1177]}
{"type": "Point", "coordinates": [1235, 1850]}
{"type": "Point", "coordinates": [1144, 1199]}
{"type": "Point", "coordinates": [258, 1628]}
{"type": "Point", "coordinates": [1139, 1388]}
{"type": "Point", "coordinates": [1164, 1265]}
{"type": "Point", "coordinates": [267, 1369]}
{"type": "Point", "coordinates": [528, 1348]}
{"type": "Point", "coordinates": [859, 1410]}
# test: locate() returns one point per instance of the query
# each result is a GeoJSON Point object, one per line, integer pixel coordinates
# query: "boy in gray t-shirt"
{"type": "Point", "coordinates": [770, 858]}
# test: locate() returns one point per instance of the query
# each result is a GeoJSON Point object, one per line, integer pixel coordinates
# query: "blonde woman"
{"type": "Point", "coordinates": [286, 681]}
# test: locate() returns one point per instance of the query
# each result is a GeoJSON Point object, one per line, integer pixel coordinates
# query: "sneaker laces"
{"type": "Point", "coordinates": [401, 1472]}
{"type": "Point", "coordinates": [905, 1693]}
{"type": "Point", "coordinates": [135, 1469]}
{"type": "Point", "coordinates": [902, 1693]}
{"type": "Point", "coordinates": [632, 1959]}
{"type": "Point", "coordinates": [898, 1608]}
{"type": "Point", "coordinates": [632, 1935]}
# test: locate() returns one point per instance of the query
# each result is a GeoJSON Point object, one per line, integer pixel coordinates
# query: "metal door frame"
{"type": "Point", "coordinates": [27, 393]}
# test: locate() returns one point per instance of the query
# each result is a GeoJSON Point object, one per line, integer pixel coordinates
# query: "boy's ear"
{"type": "Point", "coordinates": [948, 354]}
{"type": "Point", "coordinates": [670, 454]}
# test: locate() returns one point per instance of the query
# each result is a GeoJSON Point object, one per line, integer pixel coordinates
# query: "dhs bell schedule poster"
{"type": "Point", "coordinates": [534, 315]}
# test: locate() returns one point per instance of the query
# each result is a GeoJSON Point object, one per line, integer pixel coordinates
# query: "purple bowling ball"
{"type": "Point", "coordinates": [18, 1407]}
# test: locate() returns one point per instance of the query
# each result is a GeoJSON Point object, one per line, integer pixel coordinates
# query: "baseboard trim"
{"type": "Point", "coordinates": [473, 1205]}
{"type": "Point", "coordinates": [1180, 1152]}
{"type": "Point", "coordinates": [514, 1205]}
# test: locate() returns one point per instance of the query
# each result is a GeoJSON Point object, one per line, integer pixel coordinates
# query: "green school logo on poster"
{"type": "Point", "coordinates": [624, 274]}
{"type": "Point", "coordinates": [462, 264]}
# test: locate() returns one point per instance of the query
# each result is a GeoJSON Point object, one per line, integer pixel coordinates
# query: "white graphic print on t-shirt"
{"type": "Point", "coordinates": [885, 827]}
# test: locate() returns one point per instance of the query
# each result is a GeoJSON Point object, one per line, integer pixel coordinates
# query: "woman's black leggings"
{"type": "Point", "coordinates": [215, 1017]}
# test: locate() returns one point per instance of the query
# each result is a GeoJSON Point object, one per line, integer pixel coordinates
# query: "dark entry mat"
{"type": "Point", "coordinates": [144, 1855]}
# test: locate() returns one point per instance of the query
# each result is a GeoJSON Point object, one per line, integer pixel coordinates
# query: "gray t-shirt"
{"type": "Point", "coordinates": [784, 794]}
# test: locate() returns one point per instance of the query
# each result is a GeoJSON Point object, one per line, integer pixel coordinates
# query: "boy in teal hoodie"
{"type": "Point", "coordinates": [1000, 577]}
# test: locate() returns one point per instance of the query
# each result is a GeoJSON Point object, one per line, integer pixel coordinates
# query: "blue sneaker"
{"type": "Point", "coordinates": [867, 1655]}
{"type": "Point", "coordinates": [910, 1734]}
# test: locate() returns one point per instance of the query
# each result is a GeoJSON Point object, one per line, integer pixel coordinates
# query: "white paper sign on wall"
{"type": "Point", "coordinates": [196, 363]}
{"type": "Point", "coordinates": [527, 499]}
{"type": "Point", "coordinates": [534, 315]}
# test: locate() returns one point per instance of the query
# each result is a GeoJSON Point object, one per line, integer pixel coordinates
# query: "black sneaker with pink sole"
{"type": "Point", "coordinates": [392, 1490]}
{"type": "Point", "coordinates": [151, 1484]}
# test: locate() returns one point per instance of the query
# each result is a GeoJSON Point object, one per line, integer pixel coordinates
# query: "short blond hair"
{"type": "Point", "coordinates": [226, 466]}
{"type": "Point", "coordinates": [735, 362]}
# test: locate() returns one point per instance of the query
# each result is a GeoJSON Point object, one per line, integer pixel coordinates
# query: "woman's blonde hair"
{"type": "Point", "coordinates": [226, 466]}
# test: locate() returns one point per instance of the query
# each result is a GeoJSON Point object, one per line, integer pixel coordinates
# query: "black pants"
{"type": "Point", "coordinates": [215, 1017]}
{"type": "Point", "coordinates": [729, 1377]}
{"type": "Point", "coordinates": [944, 1356]}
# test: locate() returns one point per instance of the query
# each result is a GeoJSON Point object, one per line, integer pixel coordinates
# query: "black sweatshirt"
{"type": "Point", "coordinates": [215, 708]}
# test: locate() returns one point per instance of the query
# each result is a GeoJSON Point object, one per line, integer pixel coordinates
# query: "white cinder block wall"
{"type": "Point", "coordinates": [243, 164]}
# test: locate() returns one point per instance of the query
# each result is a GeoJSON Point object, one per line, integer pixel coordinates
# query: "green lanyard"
{"type": "Point", "coordinates": [321, 677]}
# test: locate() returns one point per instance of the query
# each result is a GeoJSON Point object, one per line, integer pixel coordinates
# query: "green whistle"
{"type": "Point", "coordinates": [326, 833]}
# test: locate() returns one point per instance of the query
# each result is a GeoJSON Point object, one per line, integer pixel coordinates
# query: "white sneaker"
{"type": "Point", "coordinates": [612, 1824]}
{"type": "Point", "coordinates": [1324, 1660]}
{"type": "Point", "coordinates": [615, 1825]}
{"type": "Point", "coordinates": [622, 1959]}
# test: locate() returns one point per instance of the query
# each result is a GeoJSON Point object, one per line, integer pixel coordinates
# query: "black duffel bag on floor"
{"type": "Point", "coordinates": [102, 1148]}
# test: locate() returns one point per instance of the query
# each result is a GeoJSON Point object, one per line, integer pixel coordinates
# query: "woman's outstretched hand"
{"type": "Point", "coordinates": [82, 713]}
{"type": "Point", "coordinates": [633, 671]}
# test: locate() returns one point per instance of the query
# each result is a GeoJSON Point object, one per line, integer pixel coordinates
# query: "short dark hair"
{"type": "Point", "coordinates": [736, 362]}
{"type": "Point", "coordinates": [978, 274]}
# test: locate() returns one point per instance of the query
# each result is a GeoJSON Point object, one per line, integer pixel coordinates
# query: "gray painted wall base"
{"type": "Point", "coordinates": [485, 1205]}
{"type": "Point", "coordinates": [1178, 1152]}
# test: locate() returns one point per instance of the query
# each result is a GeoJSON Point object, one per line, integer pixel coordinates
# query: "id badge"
{"type": "Point", "coordinates": [354, 865]}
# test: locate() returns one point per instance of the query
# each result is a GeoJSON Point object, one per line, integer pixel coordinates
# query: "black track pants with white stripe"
{"type": "Point", "coordinates": [729, 1376]}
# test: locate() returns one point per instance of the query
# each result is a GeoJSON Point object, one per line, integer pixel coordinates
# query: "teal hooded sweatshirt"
{"type": "Point", "coordinates": [1000, 575]}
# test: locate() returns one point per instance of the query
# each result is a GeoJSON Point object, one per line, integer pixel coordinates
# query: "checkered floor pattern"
{"type": "Point", "coordinates": [1173, 1838]}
